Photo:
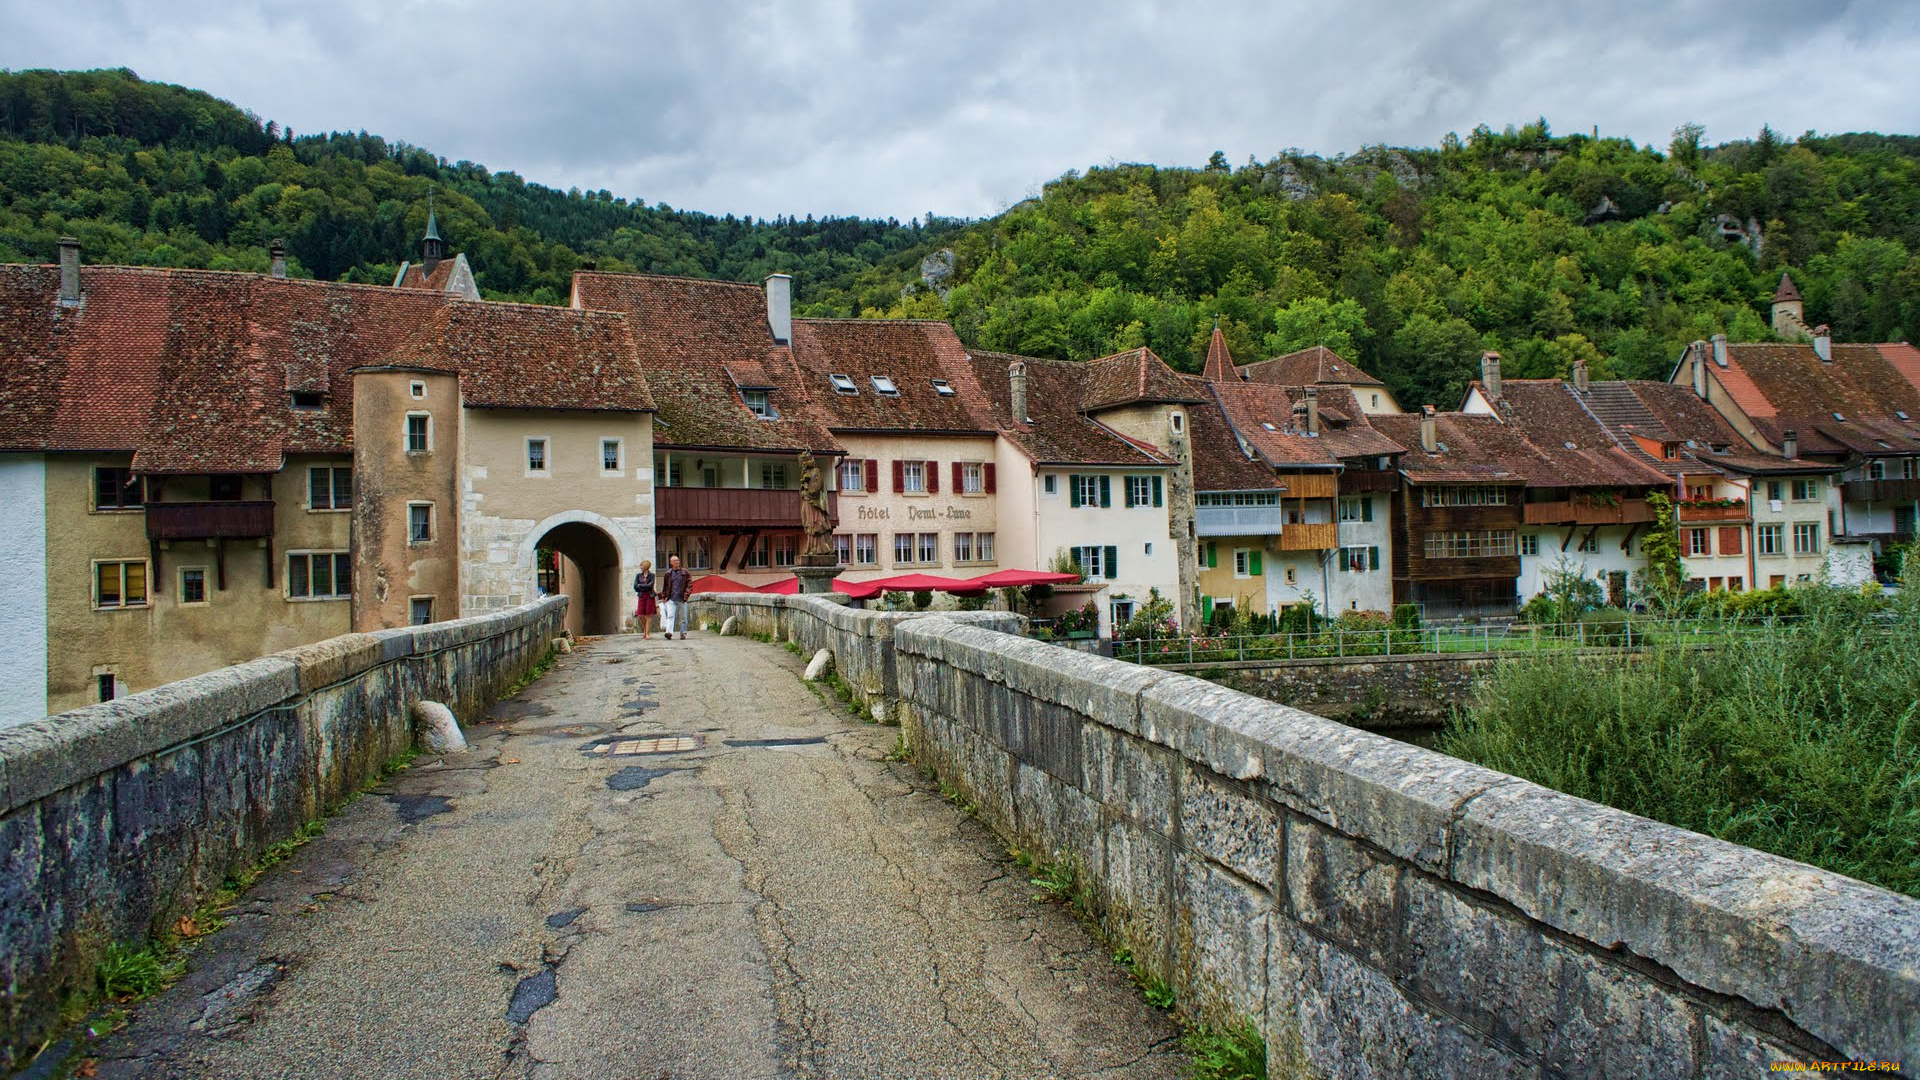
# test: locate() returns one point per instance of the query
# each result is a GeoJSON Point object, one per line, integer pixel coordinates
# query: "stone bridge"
{"type": "Point", "coordinates": [676, 859]}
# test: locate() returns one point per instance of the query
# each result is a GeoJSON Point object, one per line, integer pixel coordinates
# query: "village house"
{"type": "Point", "coordinates": [1092, 464]}
{"type": "Point", "coordinates": [1316, 529]}
{"type": "Point", "coordinates": [203, 467]}
{"type": "Point", "coordinates": [1321, 367]}
{"type": "Point", "coordinates": [735, 413]}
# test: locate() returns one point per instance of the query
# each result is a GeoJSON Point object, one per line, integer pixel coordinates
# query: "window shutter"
{"type": "Point", "coordinates": [1213, 556]}
{"type": "Point", "coordinates": [959, 480]}
{"type": "Point", "coordinates": [1253, 564]}
{"type": "Point", "coordinates": [987, 478]}
{"type": "Point", "coordinates": [1373, 558]}
{"type": "Point", "coordinates": [1073, 490]}
{"type": "Point", "coordinates": [932, 469]}
{"type": "Point", "coordinates": [1366, 509]}
{"type": "Point", "coordinates": [1112, 562]}
{"type": "Point", "coordinates": [899, 476]}
{"type": "Point", "coordinates": [1106, 490]}
{"type": "Point", "coordinates": [1126, 492]}
{"type": "Point", "coordinates": [1206, 609]}
{"type": "Point", "coordinates": [1157, 489]}
{"type": "Point", "coordinates": [1730, 541]}
{"type": "Point", "coordinates": [870, 476]}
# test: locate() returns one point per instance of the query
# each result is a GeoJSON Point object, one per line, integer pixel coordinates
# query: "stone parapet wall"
{"type": "Point", "coordinates": [1383, 910]}
{"type": "Point", "coordinates": [117, 818]}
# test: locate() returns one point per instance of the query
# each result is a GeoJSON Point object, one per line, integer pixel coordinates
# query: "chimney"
{"type": "Point", "coordinates": [277, 255]}
{"type": "Point", "coordinates": [1823, 343]}
{"type": "Point", "coordinates": [1790, 444]}
{"type": "Point", "coordinates": [1698, 356]}
{"type": "Point", "coordinates": [69, 270]}
{"type": "Point", "coordinates": [1313, 411]}
{"type": "Point", "coordinates": [1490, 374]}
{"type": "Point", "coordinates": [1429, 431]}
{"type": "Point", "coordinates": [780, 307]}
{"type": "Point", "coordinates": [1720, 350]}
{"type": "Point", "coordinates": [1580, 375]}
{"type": "Point", "coordinates": [1017, 387]}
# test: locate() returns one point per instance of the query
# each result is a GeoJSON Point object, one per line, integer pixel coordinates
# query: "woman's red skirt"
{"type": "Point", "coordinates": [648, 606]}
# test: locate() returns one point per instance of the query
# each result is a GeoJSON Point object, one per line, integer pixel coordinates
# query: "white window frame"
{"type": "Point", "coordinates": [1769, 539]}
{"type": "Point", "coordinates": [962, 547]}
{"type": "Point", "coordinates": [417, 389]}
{"type": "Point", "coordinates": [867, 544]}
{"type": "Point", "coordinates": [146, 577]}
{"type": "Point", "coordinates": [696, 553]}
{"type": "Point", "coordinates": [771, 471]}
{"type": "Point", "coordinates": [333, 487]}
{"type": "Point", "coordinates": [943, 388]}
{"type": "Point", "coordinates": [1807, 485]}
{"type": "Point", "coordinates": [843, 548]}
{"type": "Point", "coordinates": [1089, 485]}
{"type": "Point", "coordinates": [1530, 545]}
{"type": "Point", "coordinates": [759, 402]}
{"type": "Point", "coordinates": [1088, 556]}
{"type": "Point", "coordinates": [1699, 542]}
{"type": "Point", "coordinates": [619, 455]}
{"type": "Point", "coordinates": [1804, 529]}
{"type": "Point", "coordinates": [1050, 485]}
{"type": "Point", "coordinates": [854, 469]}
{"type": "Point", "coordinates": [545, 468]}
{"type": "Point", "coordinates": [973, 478]}
{"type": "Point", "coordinates": [1139, 492]}
{"type": "Point", "coordinates": [1177, 421]}
{"type": "Point", "coordinates": [913, 477]}
{"type": "Point", "coordinates": [93, 477]}
{"type": "Point", "coordinates": [333, 570]}
{"type": "Point", "coordinates": [1589, 544]}
{"type": "Point", "coordinates": [1242, 562]}
{"type": "Point", "coordinates": [843, 384]}
{"type": "Point", "coordinates": [983, 547]}
{"type": "Point", "coordinates": [206, 596]}
{"type": "Point", "coordinates": [414, 540]}
{"type": "Point", "coordinates": [904, 556]}
{"type": "Point", "coordinates": [759, 554]}
{"type": "Point", "coordinates": [928, 549]}
{"type": "Point", "coordinates": [406, 432]}
{"type": "Point", "coordinates": [884, 385]}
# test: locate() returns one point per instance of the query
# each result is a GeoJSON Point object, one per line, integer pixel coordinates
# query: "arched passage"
{"type": "Point", "coordinates": [581, 561]}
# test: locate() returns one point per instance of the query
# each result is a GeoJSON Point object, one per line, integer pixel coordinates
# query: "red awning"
{"type": "Point", "coordinates": [716, 583]}
{"type": "Point", "coordinates": [788, 587]}
{"type": "Point", "coordinates": [1001, 579]}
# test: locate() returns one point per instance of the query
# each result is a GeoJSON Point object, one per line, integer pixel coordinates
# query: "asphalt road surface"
{"type": "Point", "coordinates": [663, 860]}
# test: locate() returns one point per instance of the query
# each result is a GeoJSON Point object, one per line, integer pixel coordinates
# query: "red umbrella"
{"type": "Point", "coordinates": [919, 582]}
{"type": "Point", "coordinates": [857, 590]}
{"type": "Point", "coordinates": [716, 583]}
{"type": "Point", "coordinates": [1001, 579]}
{"type": "Point", "coordinates": [781, 588]}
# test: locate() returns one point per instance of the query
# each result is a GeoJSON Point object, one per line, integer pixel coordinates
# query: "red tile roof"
{"type": "Point", "coordinates": [1785, 387]}
{"type": "Point", "coordinates": [1573, 448]}
{"type": "Point", "coordinates": [1130, 378]}
{"type": "Point", "coordinates": [527, 356]}
{"type": "Point", "coordinates": [1219, 367]}
{"type": "Point", "coordinates": [1061, 432]}
{"type": "Point", "coordinates": [1219, 461]}
{"type": "Point", "coordinates": [189, 369]}
{"type": "Point", "coordinates": [1669, 413]}
{"type": "Point", "coordinates": [1786, 291]}
{"type": "Point", "coordinates": [414, 276]}
{"type": "Point", "coordinates": [688, 333]}
{"type": "Point", "coordinates": [911, 353]}
{"type": "Point", "coordinates": [1272, 419]}
{"type": "Point", "coordinates": [1315, 365]}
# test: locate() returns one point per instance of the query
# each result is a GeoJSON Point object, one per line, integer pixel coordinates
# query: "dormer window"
{"type": "Point", "coordinates": [1670, 451]}
{"type": "Point", "coordinates": [883, 384]}
{"type": "Point", "coordinates": [843, 384]}
{"type": "Point", "coordinates": [306, 400]}
{"type": "Point", "coordinates": [943, 387]}
{"type": "Point", "coordinates": [759, 403]}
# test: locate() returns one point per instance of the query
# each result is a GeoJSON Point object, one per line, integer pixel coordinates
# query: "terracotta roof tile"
{"type": "Point", "coordinates": [1061, 433]}
{"type": "Point", "coordinates": [1473, 448]}
{"type": "Point", "coordinates": [1787, 387]}
{"type": "Point", "coordinates": [1129, 378]}
{"type": "Point", "coordinates": [911, 354]}
{"type": "Point", "coordinates": [688, 332]}
{"type": "Point", "coordinates": [1311, 366]}
{"type": "Point", "coordinates": [527, 356]}
{"type": "Point", "coordinates": [1574, 448]}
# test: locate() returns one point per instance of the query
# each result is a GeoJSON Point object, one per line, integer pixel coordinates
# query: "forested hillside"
{"type": "Point", "coordinates": [1410, 261]}
{"type": "Point", "coordinates": [154, 174]}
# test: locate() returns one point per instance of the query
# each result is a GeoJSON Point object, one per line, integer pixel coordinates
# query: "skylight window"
{"type": "Point", "coordinates": [883, 384]}
{"type": "Point", "coordinates": [843, 384]}
{"type": "Point", "coordinates": [1268, 426]}
{"type": "Point", "coordinates": [306, 400]}
{"type": "Point", "coordinates": [1900, 414]}
{"type": "Point", "coordinates": [1840, 418]}
{"type": "Point", "coordinates": [943, 388]}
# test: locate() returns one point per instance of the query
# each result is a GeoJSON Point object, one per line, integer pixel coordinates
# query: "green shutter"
{"type": "Point", "coordinates": [1366, 508]}
{"type": "Point", "coordinates": [1156, 491]}
{"type": "Point", "coordinates": [1073, 490]}
{"type": "Point", "coordinates": [1253, 564]}
{"type": "Point", "coordinates": [1206, 609]}
{"type": "Point", "coordinates": [1373, 558]}
{"type": "Point", "coordinates": [1128, 493]}
{"type": "Point", "coordinates": [1213, 555]}
{"type": "Point", "coordinates": [1113, 563]}
{"type": "Point", "coordinates": [1106, 491]}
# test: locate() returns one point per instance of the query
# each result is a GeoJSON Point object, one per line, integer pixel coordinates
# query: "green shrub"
{"type": "Point", "coordinates": [1801, 739]}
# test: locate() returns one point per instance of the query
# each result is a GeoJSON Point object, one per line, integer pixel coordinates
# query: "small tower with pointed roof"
{"type": "Point", "coordinates": [432, 248]}
{"type": "Point", "coordinates": [1789, 314]}
{"type": "Point", "coordinates": [1219, 367]}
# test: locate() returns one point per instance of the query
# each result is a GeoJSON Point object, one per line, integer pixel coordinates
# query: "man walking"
{"type": "Point", "coordinates": [676, 586]}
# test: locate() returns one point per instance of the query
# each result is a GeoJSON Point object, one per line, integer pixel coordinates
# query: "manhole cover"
{"type": "Point", "coordinates": [669, 744]}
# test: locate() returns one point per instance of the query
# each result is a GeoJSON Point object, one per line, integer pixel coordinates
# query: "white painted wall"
{"type": "Point", "coordinates": [23, 589]}
{"type": "Point", "coordinates": [1849, 565]}
{"type": "Point", "coordinates": [1368, 590]}
{"type": "Point", "coordinates": [1607, 558]}
{"type": "Point", "coordinates": [1146, 553]}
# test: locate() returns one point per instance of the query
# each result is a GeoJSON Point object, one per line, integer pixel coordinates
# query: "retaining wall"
{"type": "Point", "coordinates": [117, 818]}
{"type": "Point", "coordinates": [1383, 910]}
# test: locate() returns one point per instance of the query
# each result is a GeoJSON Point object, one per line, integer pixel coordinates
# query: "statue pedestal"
{"type": "Point", "coordinates": [816, 577]}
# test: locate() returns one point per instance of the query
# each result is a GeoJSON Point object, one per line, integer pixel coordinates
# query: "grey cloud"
{"type": "Point", "coordinates": [854, 106]}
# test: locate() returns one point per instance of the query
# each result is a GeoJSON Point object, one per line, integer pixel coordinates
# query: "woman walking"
{"type": "Point", "coordinates": [648, 606]}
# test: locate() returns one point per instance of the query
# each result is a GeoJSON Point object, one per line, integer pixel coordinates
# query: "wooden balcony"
{"type": "Point", "coordinates": [1585, 512]}
{"type": "Point", "coordinates": [731, 509]}
{"type": "Point", "coordinates": [1310, 537]}
{"type": "Point", "coordinates": [224, 520]}
{"type": "Point", "coordinates": [1363, 481]}
{"type": "Point", "coordinates": [1883, 490]}
{"type": "Point", "coordinates": [1693, 513]}
{"type": "Point", "coordinates": [1318, 485]}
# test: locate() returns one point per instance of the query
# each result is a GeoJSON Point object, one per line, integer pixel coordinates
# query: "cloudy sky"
{"type": "Point", "coordinates": [966, 106]}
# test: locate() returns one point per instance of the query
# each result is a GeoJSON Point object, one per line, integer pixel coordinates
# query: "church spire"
{"type": "Point", "coordinates": [432, 248]}
{"type": "Point", "coordinates": [1219, 367]}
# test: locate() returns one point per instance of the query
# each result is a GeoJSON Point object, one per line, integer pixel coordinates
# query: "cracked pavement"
{"type": "Point", "coordinates": [780, 902]}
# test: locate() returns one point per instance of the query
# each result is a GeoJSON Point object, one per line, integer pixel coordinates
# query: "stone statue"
{"type": "Point", "coordinates": [815, 519]}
